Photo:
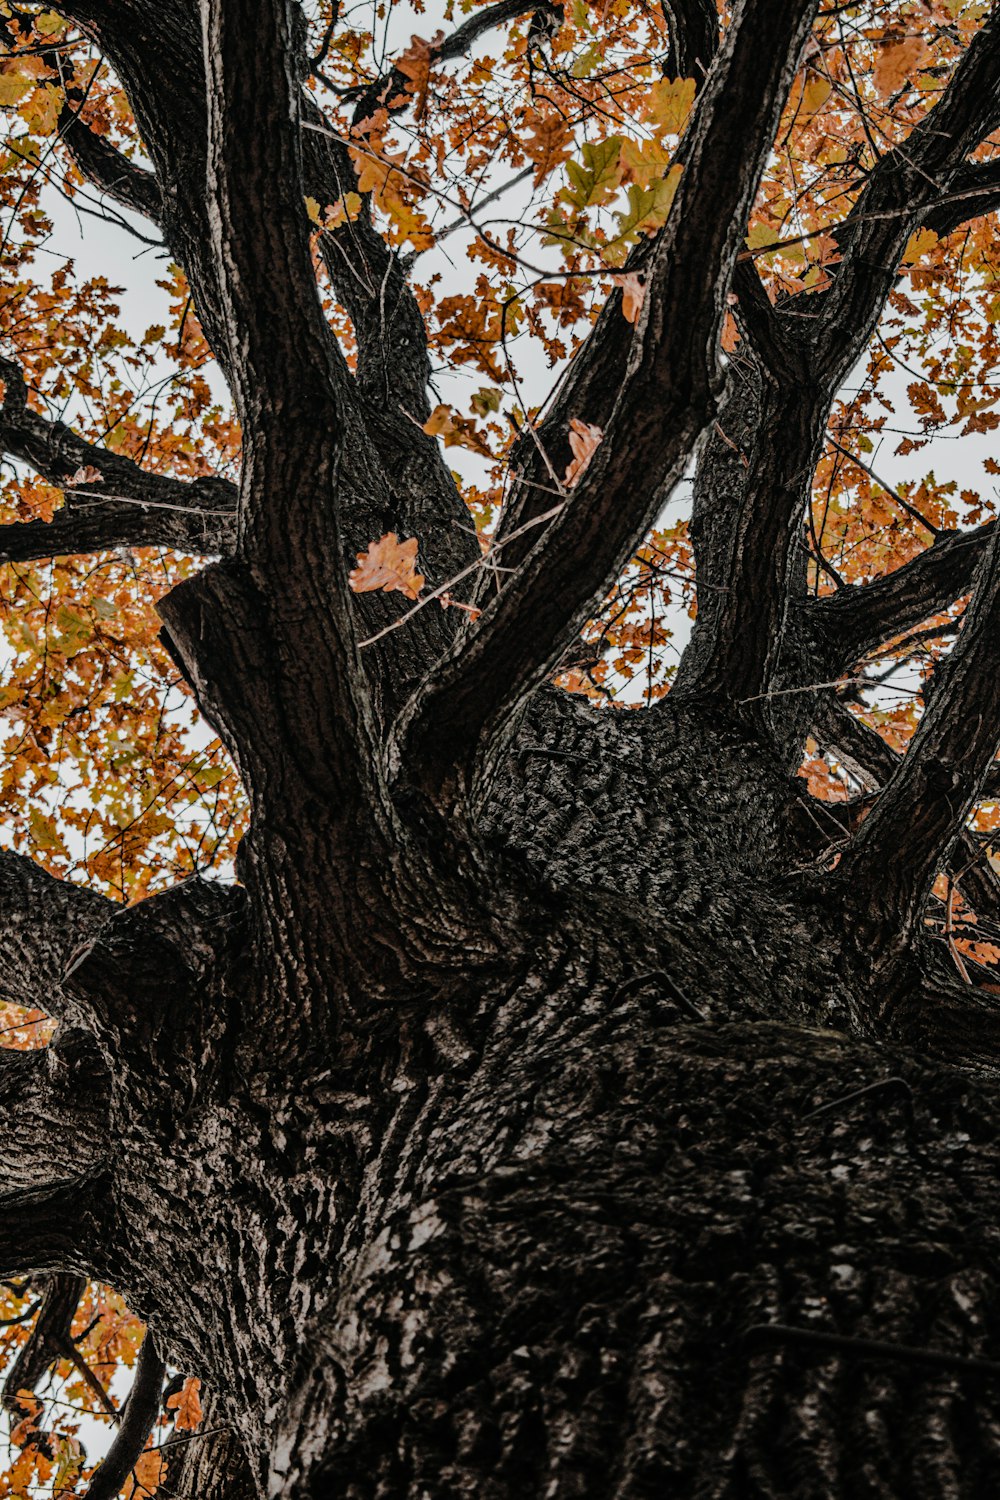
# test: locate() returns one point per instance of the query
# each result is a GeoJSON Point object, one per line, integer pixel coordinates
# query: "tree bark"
{"type": "Point", "coordinates": [540, 1113]}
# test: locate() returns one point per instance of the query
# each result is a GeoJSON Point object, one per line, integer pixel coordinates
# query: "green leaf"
{"type": "Point", "coordinates": [594, 179]}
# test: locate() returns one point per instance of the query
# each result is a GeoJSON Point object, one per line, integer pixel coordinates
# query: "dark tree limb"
{"type": "Point", "coordinates": [902, 191]}
{"type": "Point", "coordinates": [872, 762]}
{"type": "Point", "coordinates": [892, 860]}
{"type": "Point", "coordinates": [974, 191]}
{"type": "Point", "coordinates": [137, 1421]}
{"type": "Point", "coordinates": [853, 622]}
{"type": "Point", "coordinates": [54, 1115]}
{"type": "Point", "coordinates": [48, 1339]}
{"type": "Point", "coordinates": [694, 37]}
{"type": "Point", "coordinates": [107, 168]}
{"type": "Point", "coordinates": [154, 965]}
{"type": "Point", "coordinates": [744, 542]}
{"type": "Point", "coordinates": [52, 1229]}
{"type": "Point", "coordinates": [659, 415]}
{"type": "Point", "coordinates": [43, 922]}
{"type": "Point", "coordinates": [127, 506]}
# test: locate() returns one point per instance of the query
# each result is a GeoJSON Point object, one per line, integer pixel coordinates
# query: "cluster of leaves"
{"type": "Point", "coordinates": [79, 1405]}
{"type": "Point", "coordinates": [104, 773]}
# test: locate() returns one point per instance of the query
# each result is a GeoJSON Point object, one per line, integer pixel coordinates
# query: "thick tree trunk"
{"type": "Point", "coordinates": [531, 1243]}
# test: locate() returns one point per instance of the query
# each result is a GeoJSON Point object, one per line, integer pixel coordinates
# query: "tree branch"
{"type": "Point", "coordinates": [658, 417]}
{"type": "Point", "coordinates": [694, 37]}
{"type": "Point", "coordinates": [974, 191]}
{"type": "Point", "coordinates": [746, 553]}
{"type": "Point", "coordinates": [48, 1339]}
{"type": "Point", "coordinates": [54, 1112]}
{"type": "Point", "coordinates": [294, 395]}
{"type": "Point", "coordinates": [106, 167]}
{"type": "Point", "coordinates": [51, 1229]}
{"type": "Point", "coordinates": [891, 863]}
{"type": "Point", "coordinates": [287, 373]}
{"type": "Point", "coordinates": [43, 921]}
{"type": "Point", "coordinates": [127, 506]}
{"type": "Point", "coordinates": [845, 626]}
{"type": "Point", "coordinates": [137, 1421]}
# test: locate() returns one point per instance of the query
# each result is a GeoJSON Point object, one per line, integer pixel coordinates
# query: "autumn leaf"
{"type": "Point", "coordinates": [898, 62]}
{"type": "Point", "coordinates": [584, 439]}
{"type": "Point", "coordinates": [549, 143]}
{"type": "Point", "coordinates": [455, 430]}
{"type": "Point", "coordinates": [187, 1405]}
{"type": "Point", "coordinates": [415, 66]}
{"type": "Point", "coordinates": [85, 475]}
{"type": "Point", "coordinates": [146, 1477]}
{"type": "Point", "coordinates": [670, 102]}
{"type": "Point", "coordinates": [389, 565]}
{"type": "Point", "coordinates": [633, 294]}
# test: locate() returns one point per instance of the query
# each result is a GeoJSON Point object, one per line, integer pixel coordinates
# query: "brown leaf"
{"type": "Point", "coordinates": [389, 564]}
{"type": "Point", "coordinates": [633, 294]}
{"type": "Point", "coordinates": [898, 62]}
{"type": "Point", "coordinates": [584, 438]}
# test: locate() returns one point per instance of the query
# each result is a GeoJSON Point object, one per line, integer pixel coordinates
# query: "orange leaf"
{"type": "Point", "coordinates": [146, 1477]}
{"type": "Point", "coordinates": [187, 1405]}
{"type": "Point", "coordinates": [633, 294]}
{"type": "Point", "coordinates": [415, 65]}
{"type": "Point", "coordinates": [388, 564]}
{"type": "Point", "coordinates": [898, 62]}
{"type": "Point", "coordinates": [584, 438]}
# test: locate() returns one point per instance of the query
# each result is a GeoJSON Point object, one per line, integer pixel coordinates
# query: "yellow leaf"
{"type": "Point", "coordinates": [815, 94]}
{"type": "Point", "coordinates": [13, 87]}
{"type": "Point", "coordinates": [669, 104]}
{"type": "Point", "coordinates": [389, 564]}
{"type": "Point", "coordinates": [918, 245]}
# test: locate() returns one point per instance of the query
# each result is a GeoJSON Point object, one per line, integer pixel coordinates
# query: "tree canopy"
{"type": "Point", "coordinates": [598, 361]}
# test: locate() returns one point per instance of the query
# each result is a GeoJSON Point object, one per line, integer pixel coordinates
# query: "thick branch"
{"type": "Point", "coordinates": [853, 622]}
{"type": "Point", "coordinates": [50, 1229]}
{"type": "Point", "coordinates": [744, 562]}
{"type": "Point", "coordinates": [904, 190]}
{"type": "Point", "coordinates": [281, 352]}
{"type": "Point", "coordinates": [106, 167]}
{"type": "Point", "coordinates": [974, 191]}
{"type": "Point", "coordinates": [43, 922]}
{"type": "Point", "coordinates": [889, 868]}
{"type": "Point", "coordinates": [694, 37]}
{"type": "Point", "coordinates": [53, 1110]}
{"type": "Point", "coordinates": [49, 1339]}
{"type": "Point", "coordinates": [127, 506]}
{"type": "Point", "coordinates": [658, 417]}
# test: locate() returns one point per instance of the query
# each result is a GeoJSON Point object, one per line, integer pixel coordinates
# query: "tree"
{"type": "Point", "coordinates": [562, 1100]}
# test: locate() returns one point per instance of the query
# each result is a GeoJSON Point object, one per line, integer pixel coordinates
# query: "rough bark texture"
{"type": "Point", "coordinates": [547, 1112]}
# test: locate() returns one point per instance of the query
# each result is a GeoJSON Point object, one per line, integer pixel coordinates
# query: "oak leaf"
{"type": "Point", "coordinates": [584, 438]}
{"type": "Point", "coordinates": [389, 565]}
{"type": "Point", "coordinates": [146, 1477]}
{"type": "Point", "coordinates": [633, 294]}
{"type": "Point", "coordinates": [898, 62]}
{"type": "Point", "coordinates": [187, 1405]}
